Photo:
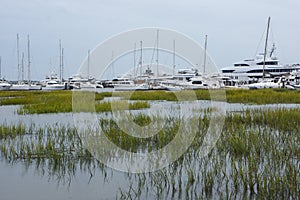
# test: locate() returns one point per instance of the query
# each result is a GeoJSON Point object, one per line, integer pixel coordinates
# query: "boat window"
{"type": "Point", "coordinates": [255, 71]}
{"type": "Point", "coordinates": [241, 65]}
{"type": "Point", "coordinates": [227, 71]}
{"type": "Point", "coordinates": [197, 82]}
{"type": "Point", "coordinates": [268, 63]}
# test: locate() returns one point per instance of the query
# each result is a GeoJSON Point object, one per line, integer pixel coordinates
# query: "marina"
{"type": "Point", "coordinates": [145, 100]}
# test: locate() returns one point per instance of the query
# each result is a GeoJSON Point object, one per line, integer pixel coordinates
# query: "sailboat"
{"type": "Point", "coordinates": [53, 83]}
{"type": "Point", "coordinates": [20, 85]}
{"type": "Point", "coordinates": [273, 83]}
{"type": "Point", "coordinates": [32, 86]}
{"type": "Point", "coordinates": [4, 85]}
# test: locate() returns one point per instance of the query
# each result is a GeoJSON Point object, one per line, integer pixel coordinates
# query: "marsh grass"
{"type": "Point", "coordinates": [11, 131]}
{"type": "Point", "coordinates": [61, 102]}
{"type": "Point", "coordinates": [130, 143]}
{"type": "Point", "coordinates": [256, 157]}
{"type": "Point", "coordinates": [263, 96]}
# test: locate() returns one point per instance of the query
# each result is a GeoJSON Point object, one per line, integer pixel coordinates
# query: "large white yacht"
{"type": "Point", "coordinates": [253, 69]}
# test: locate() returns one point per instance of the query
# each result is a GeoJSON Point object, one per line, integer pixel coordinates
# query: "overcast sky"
{"type": "Point", "coordinates": [234, 28]}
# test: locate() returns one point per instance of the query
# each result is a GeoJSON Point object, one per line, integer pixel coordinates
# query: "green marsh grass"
{"type": "Point", "coordinates": [263, 96]}
{"type": "Point", "coordinates": [256, 156]}
{"type": "Point", "coordinates": [60, 101]}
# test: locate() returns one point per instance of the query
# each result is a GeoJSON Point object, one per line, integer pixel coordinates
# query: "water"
{"type": "Point", "coordinates": [20, 183]}
{"type": "Point", "coordinates": [21, 180]}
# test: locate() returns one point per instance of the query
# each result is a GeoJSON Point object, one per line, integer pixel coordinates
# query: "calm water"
{"type": "Point", "coordinates": [20, 180]}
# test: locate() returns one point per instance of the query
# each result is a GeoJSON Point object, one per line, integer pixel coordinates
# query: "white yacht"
{"type": "Point", "coordinates": [264, 65]}
{"type": "Point", "coordinates": [121, 83]}
{"type": "Point", "coordinates": [253, 69]}
{"type": "Point", "coordinates": [79, 82]}
{"type": "Point", "coordinates": [268, 83]}
{"type": "Point", "coordinates": [54, 85]}
{"type": "Point", "coordinates": [19, 86]}
{"type": "Point", "coordinates": [33, 86]}
{"type": "Point", "coordinates": [4, 85]}
{"type": "Point", "coordinates": [51, 77]}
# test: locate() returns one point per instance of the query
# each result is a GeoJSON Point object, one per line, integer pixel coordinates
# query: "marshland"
{"type": "Point", "coordinates": [256, 154]}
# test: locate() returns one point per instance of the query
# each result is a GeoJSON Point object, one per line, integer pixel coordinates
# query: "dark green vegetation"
{"type": "Point", "coordinates": [263, 96]}
{"type": "Point", "coordinates": [256, 156]}
{"type": "Point", "coordinates": [59, 101]}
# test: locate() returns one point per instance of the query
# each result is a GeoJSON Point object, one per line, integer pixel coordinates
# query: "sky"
{"type": "Point", "coordinates": [234, 28]}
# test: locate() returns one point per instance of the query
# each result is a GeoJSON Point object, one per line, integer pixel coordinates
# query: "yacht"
{"type": "Point", "coordinates": [4, 85]}
{"type": "Point", "coordinates": [19, 86]}
{"type": "Point", "coordinates": [268, 83]}
{"type": "Point", "coordinates": [54, 85]}
{"type": "Point", "coordinates": [51, 77]}
{"type": "Point", "coordinates": [79, 82]}
{"type": "Point", "coordinates": [121, 83]}
{"type": "Point", "coordinates": [254, 69]}
{"type": "Point", "coordinates": [264, 65]}
{"type": "Point", "coordinates": [34, 86]}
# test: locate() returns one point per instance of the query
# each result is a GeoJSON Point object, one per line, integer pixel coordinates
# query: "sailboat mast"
{"type": "Point", "coordinates": [157, 40]}
{"type": "Point", "coordinates": [88, 65]}
{"type": "Point", "coordinates": [141, 58]}
{"type": "Point", "coordinates": [23, 66]}
{"type": "Point", "coordinates": [18, 54]}
{"type": "Point", "coordinates": [29, 62]}
{"type": "Point", "coordinates": [62, 64]}
{"type": "Point", "coordinates": [266, 45]}
{"type": "Point", "coordinates": [134, 62]}
{"type": "Point", "coordinates": [0, 67]}
{"type": "Point", "coordinates": [205, 49]}
{"type": "Point", "coordinates": [174, 57]}
{"type": "Point", "coordinates": [60, 61]}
